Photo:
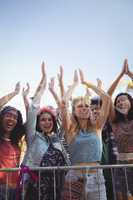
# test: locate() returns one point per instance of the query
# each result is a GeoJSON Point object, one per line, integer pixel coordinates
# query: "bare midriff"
{"type": "Point", "coordinates": [88, 171]}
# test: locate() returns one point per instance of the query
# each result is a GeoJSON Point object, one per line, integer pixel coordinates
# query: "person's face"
{"type": "Point", "coordinates": [10, 120]}
{"type": "Point", "coordinates": [46, 123]}
{"type": "Point", "coordinates": [123, 104]}
{"type": "Point", "coordinates": [82, 110]}
{"type": "Point", "coordinates": [95, 108]}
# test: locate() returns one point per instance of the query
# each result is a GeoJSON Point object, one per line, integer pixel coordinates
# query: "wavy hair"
{"type": "Point", "coordinates": [19, 129]}
{"type": "Point", "coordinates": [119, 116]}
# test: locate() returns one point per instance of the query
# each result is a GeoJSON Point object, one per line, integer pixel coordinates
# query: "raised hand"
{"type": "Point", "coordinates": [44, 77]}
{"type": "Point", "coordinates": [60, 79]}
{"type": "Point", "coordinates": [17, 88]}
{"type": "Point", "coordinates": [60, 74]}
{"type": "Point", "coordinates": [75, 81]}
{"type": "Point", "coordinates": [115, 83]}
{"type": "Point", "coordinates": [68, 94]}
{"type": "Point", "coordinates": [75, 78]}
{"type": "Point", "coordinates": [51, 84]}
{"type": "Point", "coordinates": [83, 80]}
{"type": "Point", "coordinates": [26, 90]}
{"type": "Point", "coordinates": [43, 69]}
{"type": "Point", "coordinates": [88, 93]}
{"type": "Point", "coordinates": [52, 90]}
{"type": "Point", "coordinates": [41, 87]}
{"type": "Point", "coordinates": [99, 83]}
{"type": "Point", "coordinates": [81, 76]}
{"type": "Point", "coordinates": [5, 99]}
{"type": "Point", "coordinates": [25, 93]}
{"type": "Point", "coordinates": [126, 69]}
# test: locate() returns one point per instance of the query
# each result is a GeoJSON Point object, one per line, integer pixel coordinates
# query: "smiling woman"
{"type": "Point", "coordinates": [11, 131]}
{"type": "Point", "coordinates": [46, 121]}
{"type": "Point", "coordinates": [44, 148]}
{"type": "Point", "coordinates": [81, 132]}
{"type": "Point", "coordinates": [119, 136]}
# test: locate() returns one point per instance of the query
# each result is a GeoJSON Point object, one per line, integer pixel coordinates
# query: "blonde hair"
{"type": "Point", "coordinates": [85, 99]}
{"type": "Point", "coordinates": [75, 127]}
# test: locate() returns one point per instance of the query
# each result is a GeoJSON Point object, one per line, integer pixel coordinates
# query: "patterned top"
{"type": "Point", "coordinates": [123, 132]}
{"type": "Point", "coordinates": [118, 139]}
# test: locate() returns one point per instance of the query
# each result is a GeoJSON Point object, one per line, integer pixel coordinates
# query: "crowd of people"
{"type": "Point", "coordinates": [83, 131]}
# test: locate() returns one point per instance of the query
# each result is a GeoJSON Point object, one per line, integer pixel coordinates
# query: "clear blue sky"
{"type": "Point", "coordinates": [93, 35]}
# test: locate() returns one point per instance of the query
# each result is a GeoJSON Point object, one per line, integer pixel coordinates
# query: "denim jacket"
{"type": "Point", "coordinates": [37, 144]}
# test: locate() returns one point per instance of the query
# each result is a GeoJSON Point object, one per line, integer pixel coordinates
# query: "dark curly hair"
{"type": "Point", "coordinates": [119, 116]}
{"type": "Point", "coordinates": [19, 129]}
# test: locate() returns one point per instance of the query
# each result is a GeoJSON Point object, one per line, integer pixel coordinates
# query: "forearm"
{"type": "Point", "coordinates": [97, 90]}
{"type": "Point", "coordinates": [40, 89]}
{"type": "Point", "coordinates": [62, 90]}
{"type": "Point", "coordinates": [130, 74]}
{"type": "Point", "coordinates": [4, 100]}
{"type": "Point", "coordinates": [39, 92]}
{"type": "Point", "coordinates": [104, 111]}
{"type": "Point", "coordinates": [26, 103]}
{"type": "Point", "coordinates": [114, 85]}
{"type": "Point", "coordinates": [65, 117]}
{"type": "Point", "coordinates": [57, 100]}
{"type": "Point", "coordinates": [69, 92]}
{"type": "Point", "coordinates": [31, 121]}
{"type": "Point", "coordinates": [105, 98]}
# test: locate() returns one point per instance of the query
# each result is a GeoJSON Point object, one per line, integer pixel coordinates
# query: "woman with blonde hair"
{"type": "Point", "coordinates": [84, 144]}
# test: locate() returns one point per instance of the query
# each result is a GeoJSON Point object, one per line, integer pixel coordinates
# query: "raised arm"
{"type": "Point", "coordinates": [65, 95]}
{"type": "Point", "coordinates": [41, 87]}
{"type": "Point", "coordinates": [25, 93]}
{"type": "Point", "coordinates": [61, 83]}
{"type": "Point", "coordinates": [34, 107]}
{"type": "Point", "coordinates": [118, 78]}
{"type": "Point", "coordinates": [68, 94]}
{"type": "Point", "coordinates": [128, 72]}
{"type": "Point", "coordinates": [5, 99]}
{"type": "Point", "coordinates": [88, 94]}
{"type": "Point", "coordinates": [105, 101]}
{"type": "Point", "coordinates": [61, 86]}
{"type": "Point", "coordinates": [99, 83]}
{"type": "Point", "coordinates": [64, 105]}
{"type": "Point", "coordinates": [52, 90]}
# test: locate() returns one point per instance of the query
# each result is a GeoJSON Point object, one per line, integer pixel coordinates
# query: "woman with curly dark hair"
{"type": "Point", "coordinates": [11, 132]}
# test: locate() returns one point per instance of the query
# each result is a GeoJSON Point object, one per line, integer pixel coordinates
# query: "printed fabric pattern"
{"type": "Point", "coordinates": [51, 182]}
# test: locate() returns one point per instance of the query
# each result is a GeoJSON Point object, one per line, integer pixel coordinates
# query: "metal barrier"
{"type": "Point", "coordinates": [118, 182]}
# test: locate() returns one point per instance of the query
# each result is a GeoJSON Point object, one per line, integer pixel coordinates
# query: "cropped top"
{"type": "Point", "coordinates": [86, 147]}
